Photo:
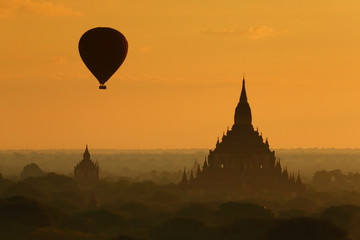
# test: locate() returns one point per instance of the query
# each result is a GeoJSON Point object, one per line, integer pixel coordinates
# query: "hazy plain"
{"type": "Point", "coordinates": [150, 164]}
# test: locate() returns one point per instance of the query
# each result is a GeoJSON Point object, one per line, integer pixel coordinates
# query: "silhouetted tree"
{"type": "Point", "coordinates": [197, 212]}
{"type": "Point", "coordinates": [58, 182]}
{"type": "Point", "coordinates": [31, 170]}
{"type": "Point", "coordinates": [139, 189]}
{"type": "Point", "coordinates": [4, 183]}
{"type": "Point", "coordinates": [104, 219]}
{"type": "Point", "coordinates": [25, 190]}
{"type": "Point", "coordinates": [234, 210]}
{"type": "Point", "coordinates": [344, 216]}
{"type": "Point", "coordinates": [301, 203]}
{"type": "Point", "coordinates": [135, 209]}
{"type": "Point", "coordinates": [178, 229]}
{"type": "Point", "coordinates": [293, 213]}
{"type": "Point", "coordinates": [247, 229]}
{"type": "Point", "coordinates": [124, 237]}
{"type": "Point", "coordinates": [163, 197]}
{"type": "Point", "coordinates": [306, 228]}
{"type": "Point", "coordinates": [29, 212]}
{"type": "Point", "coordinates": [322, 178]}
{"type": "Point", "coordinates": [48, 233]}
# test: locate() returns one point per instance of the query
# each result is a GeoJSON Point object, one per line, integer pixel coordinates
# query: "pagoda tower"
{"type": "Point", "coordinates": [86, 172]}
{"type": "Point", "coordinates": [243, 160]}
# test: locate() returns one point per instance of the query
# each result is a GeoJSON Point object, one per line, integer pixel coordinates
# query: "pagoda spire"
{"type": "Point", "coordinates": [298, 180]}
{"type": "Point", "coordinates": [243, 97]}
{"type": "Point", "coordinates": [191, 177]}
{"type": "Point", "coordinates": [184, 180]}
{"type": "Point", "coordinates": [267, 142]}
{"type": "Point", "coordinates": [205, 166]}
{"type": "Point", "coordinates": [198, 172]}
{"type": "Point", "coordinates": [285, 173]}
{"type": "Point", "coordinates": [243, 111]}
{"type": "Point", "coordinates": [86, 155]}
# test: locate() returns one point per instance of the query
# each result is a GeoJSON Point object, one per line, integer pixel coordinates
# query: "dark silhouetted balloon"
{"type": "Point", "coordinates": [103, 50]}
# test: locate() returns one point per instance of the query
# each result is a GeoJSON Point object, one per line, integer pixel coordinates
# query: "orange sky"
{"type": "Point", "coordinates": [181, 80]}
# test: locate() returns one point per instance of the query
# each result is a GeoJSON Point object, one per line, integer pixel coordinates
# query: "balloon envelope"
{"type": "Point", "coordinates": [103, 50]}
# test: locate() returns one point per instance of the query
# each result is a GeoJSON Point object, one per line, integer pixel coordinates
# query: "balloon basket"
{"type": "Point", "coordinates": [102, 87]}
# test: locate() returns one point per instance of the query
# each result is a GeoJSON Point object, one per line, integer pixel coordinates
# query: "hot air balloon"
{"type": "Point", "coordinates": [103, 50]}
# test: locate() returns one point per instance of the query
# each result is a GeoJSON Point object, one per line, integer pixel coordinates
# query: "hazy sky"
{"type": "Point", "coordinates": [181, 80]}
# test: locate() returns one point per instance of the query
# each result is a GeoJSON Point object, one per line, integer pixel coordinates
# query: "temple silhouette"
{"type": "Point", "coordinates": [242, 160]}
{"type": "Point", "coordinates": [86, 172]}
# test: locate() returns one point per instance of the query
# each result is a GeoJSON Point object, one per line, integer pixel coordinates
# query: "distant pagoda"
{"type": "Point", "coordinates": [86, 172]}
{"type": "Point", "coordinates": [242, 160]}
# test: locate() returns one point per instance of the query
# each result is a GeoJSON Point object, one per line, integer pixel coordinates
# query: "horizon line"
{"type": "Point", "coordinates": [169, 149]}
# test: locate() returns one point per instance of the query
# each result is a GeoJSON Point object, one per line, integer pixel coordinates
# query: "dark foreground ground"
{"type": "Point", "coordinates": [52, 207]}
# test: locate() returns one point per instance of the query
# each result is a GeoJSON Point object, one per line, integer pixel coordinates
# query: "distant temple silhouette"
{"type": "Point", "coordinates": [86, 172]}
{"type": "Point", "coordinates": [242, 160]}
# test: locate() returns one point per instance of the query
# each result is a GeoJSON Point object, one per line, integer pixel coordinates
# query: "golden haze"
{"type": "Point", "coordinates": [181, 81]}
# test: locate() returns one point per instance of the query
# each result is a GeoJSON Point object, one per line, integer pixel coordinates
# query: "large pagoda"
{"type": "Point", "coordinates": [243, 160]}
